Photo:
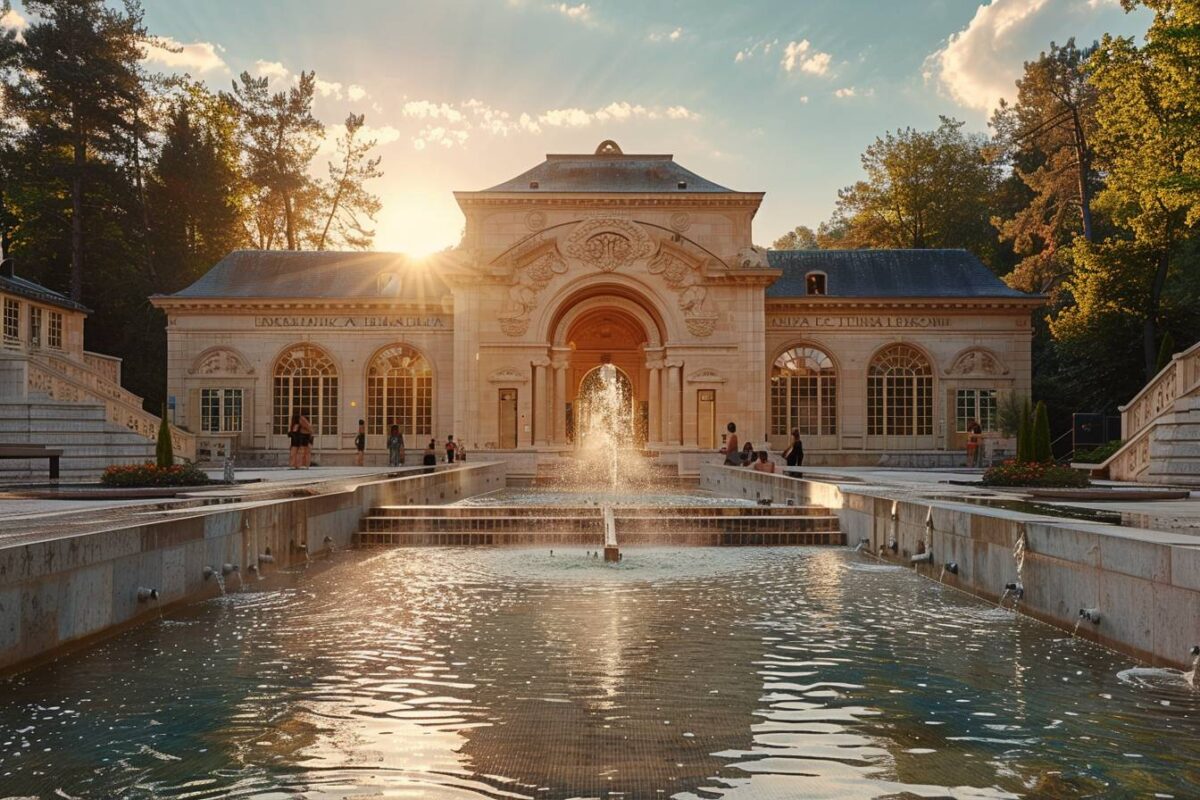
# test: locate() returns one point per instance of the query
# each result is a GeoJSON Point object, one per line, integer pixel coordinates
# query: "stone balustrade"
{"type": "Point", "coordinates": [1178, 379]}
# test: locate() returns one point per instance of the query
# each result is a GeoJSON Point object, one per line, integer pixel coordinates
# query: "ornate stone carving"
{"type": "Point", "coordinates": [977, 362]}
{"type": "Point", "coordinates": [681, 221]}
{"type": "Point", "coordinates": [508, 375]}
{"type": "Point", "coordinates": [531, 278]}
{"type": "Point", "coordinates": [684, 278]}
{"type": "Point", "coordinates": [535, 220]}
{"type": "Point", "coordinates": [219, 361]}
{"type": "Point", "coordinates": [752, 257]}
{"type": "Point", "coordinates": [706, 375]}
{"type": "Point", "coordinates": [701, 326]}
{"type": "Point", "coordinates": [607, 243]}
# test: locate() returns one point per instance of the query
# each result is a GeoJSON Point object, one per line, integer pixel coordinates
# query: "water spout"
{"type": "Point", "coordinates": [144, 594]}
{"type": "Point", "coordinates": [951, 567]}
{"type": "Point", "coordinates": [226, 569]}
{"type": "Point", "coordinates": [1092, 615]}
{"type": "Point", "coordinates": [611, 552]}
{"type": "Point", "coordinates": [922, 558]}
{"type": "Point", "coordinates": [266, 558]}
{"type": "Point", "coordinates": [208, 572]}
{"type": "Point", "coordinates": [1193, 676]}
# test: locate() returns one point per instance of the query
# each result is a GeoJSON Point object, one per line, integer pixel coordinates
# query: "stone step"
{"type": "Point", "coordinates": [104, 437]}
{"type": "Point", "coordinates": [594, 511]}
{"type": "Point", "coordinates": [51, 411]}
{"type": "Point", "coordinates": [556, 538]}
{"type": "Point", "coordinates": [626, 525]}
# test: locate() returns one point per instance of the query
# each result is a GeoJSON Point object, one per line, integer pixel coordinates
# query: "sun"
{"type": "Point", "coordinates": [418, 224]}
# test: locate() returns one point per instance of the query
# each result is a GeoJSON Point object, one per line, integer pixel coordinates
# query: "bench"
{"type": "Point", "coordinates": [33, 452]}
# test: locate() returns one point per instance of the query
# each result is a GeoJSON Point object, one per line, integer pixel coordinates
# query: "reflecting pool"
{"type": "Point", "coordinates": [514, 673]}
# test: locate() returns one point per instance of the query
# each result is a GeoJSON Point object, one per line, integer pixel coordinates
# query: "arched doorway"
{"type": "Point", "coordinates": [588, 399]}
{"type": "Point", "coordinates": [607, 334]}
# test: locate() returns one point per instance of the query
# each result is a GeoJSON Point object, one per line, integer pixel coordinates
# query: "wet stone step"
{"type": "Point", "coordinates": [624, 525]}
{"type": "Point", "coordinates": [594, 511]}
{"type": "Point", "coordinates": [556, 538]}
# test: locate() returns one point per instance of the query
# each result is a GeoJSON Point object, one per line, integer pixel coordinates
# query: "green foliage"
{"type": "Point", "coordinates": [1009, 411]}
{"type": "Point", "coordinates": [350, 207]}
{"type": "Point", "coordinates": [1035, 473]}
{"type": "Point", "coordinates": [799, 238]}
{"type": "Point", "coordinates": [1025, 434]}
{"type": "Point", "coordinates": [1098, 455]}
{"type": "Point", "coordinates": [132, 476]}
{"type": "Point", "coordinates": [1041, 435]}
{"type": "Point", "coordinates": [164, 450]}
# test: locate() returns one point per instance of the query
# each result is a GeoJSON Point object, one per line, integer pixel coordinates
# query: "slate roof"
{"type": "Point", "coordinates": [888, 273]}
{"type": "Point", "coordinates": [12, 283]}
{"type": "Point", "coordinates": [609, 173]}
{"type": "Point", "coordinates": [310, 274]}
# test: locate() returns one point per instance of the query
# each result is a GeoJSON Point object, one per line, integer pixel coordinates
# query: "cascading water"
{"type": "Point", "coordinates": [606, 454]}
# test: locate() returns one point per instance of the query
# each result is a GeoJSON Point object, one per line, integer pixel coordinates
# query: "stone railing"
{"type": "Point", "coordinates": [105, 366]}
{"type": "Point", "coordinates": [1178, 379]}
{"type": "Point", "coordinates": [64, 380]}
{"type": "Point", "coordinates": [1131, 462]}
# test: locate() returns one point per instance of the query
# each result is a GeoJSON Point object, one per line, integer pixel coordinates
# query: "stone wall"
{"type": "Point", "coordinates": [63, 590]}
{"type": "Point", "coordinates": [1146, 584]}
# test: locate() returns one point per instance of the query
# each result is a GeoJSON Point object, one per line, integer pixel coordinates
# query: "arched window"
{"type": "Point", "coordinates": [804, 393]}
{"type": "Point", "coordinates": [899, 393]}
{"type": "Point", "coordinates": [400, 392]}
{"type": "Point", "coordinates": [305, 380]}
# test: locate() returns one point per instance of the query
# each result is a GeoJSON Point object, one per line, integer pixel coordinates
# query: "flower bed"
{"type": "Point", "coordinates": [1034, 473]}
{"type": "Point", "coordinates": [150, 474]}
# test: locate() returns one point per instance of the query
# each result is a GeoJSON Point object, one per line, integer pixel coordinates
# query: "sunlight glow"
{"type": "Point", "coordinates": [418, 224]}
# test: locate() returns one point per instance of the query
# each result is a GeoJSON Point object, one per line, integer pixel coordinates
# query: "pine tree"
{"type": "Point", "coordinates": [350, 207]}
{"type": "Point", "coordinates": [1041, 435]}
{"type": "Point", "coordinates": [164, 451]}
{"type": "Point", "coordinates": [1025, 434]}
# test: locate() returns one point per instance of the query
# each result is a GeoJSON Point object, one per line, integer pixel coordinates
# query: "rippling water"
{"type": "Point", "coordinates": [505, 673]}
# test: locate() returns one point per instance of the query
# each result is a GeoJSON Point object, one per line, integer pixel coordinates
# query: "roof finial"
{"type": "Point", "coordinates": [609, 148]}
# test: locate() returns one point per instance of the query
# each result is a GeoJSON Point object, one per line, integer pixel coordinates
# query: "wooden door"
{"type": "Point", "coordinates": [508, 419]}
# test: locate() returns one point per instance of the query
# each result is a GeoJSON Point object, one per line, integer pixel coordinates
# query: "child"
{"type": "Point", "coordinates": [395, 445]}
{"type": "Point", "coordinates": [450, 448]}
{"type": "Point", "coordinates": [360, 443]}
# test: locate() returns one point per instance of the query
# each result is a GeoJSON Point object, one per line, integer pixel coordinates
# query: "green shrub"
{"type": "Point", "coordinates": [164, 451]}
{"type": "Point", "coordinates": [1035, 473]}
{"type": "Point", "coordinates": [1025, 434]}
{"type": "Point", "coordinates": [1098, 455]}
{"type": "Point", "coordinates": [151, 475]}
{"type": "Point", "coordinates": [1041, 434]}
{"type": "Point", "coordinates": [1008, 413]}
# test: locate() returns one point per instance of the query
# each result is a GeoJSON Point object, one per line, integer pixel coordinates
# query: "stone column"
{"type": "Point", "coordinates": [541, 422]}
{"type": "Point", "coordinates": [655, 434]}
{"type": "Point", "coordinates": [673, 413]}
{"type": "Point", "coordinates": [562, 363]}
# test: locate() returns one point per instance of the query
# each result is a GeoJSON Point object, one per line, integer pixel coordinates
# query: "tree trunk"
{"type": "Point", "coordinates": [1083, 159]}
{"type": "Point", "coordinates": [288, 224]}
{"type": "Point", "coordinates": [1150, 326]}
{"type": "Point", "coordinates": [80, 162]}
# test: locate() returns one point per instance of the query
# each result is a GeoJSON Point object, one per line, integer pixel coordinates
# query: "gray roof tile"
{"type": "Point", "coordinates": [609, 173]}
{"type": "Point", "coordinates": [888, 273]}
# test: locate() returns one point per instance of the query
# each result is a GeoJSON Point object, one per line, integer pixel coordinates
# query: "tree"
{"type": "Point", "coordinates": [76, 83]}
{"type": "Point", "coordinates": [1041, 450]}
{"type": "Point", "coordinates": [280, 136]}
{"type": "Point", "coordinates": [923, 189]}
{"type": "Point", "coordinates": [196, 191]}
{"type": "Point", "coordinates": [1025, 434]}
{"type": "Point", "coordinates": [1046, 136]}
{"type": "Point", "coordinates": [164, 449]}
{"type": "Point", "coordinates": [801, 237]}
{"type": "Point", "coordinates": [1149, 143]}
{"type": "Point", "coordinates": [350, 207]}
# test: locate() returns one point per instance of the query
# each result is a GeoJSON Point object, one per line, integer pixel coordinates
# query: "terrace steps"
{"type": "Point", "coordinates": [584, 525]}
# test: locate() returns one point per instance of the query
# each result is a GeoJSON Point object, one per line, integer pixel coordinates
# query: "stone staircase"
{"type": "Point", "coordinates": [89, 441]}
{"type": "Point", "coordinates": [584, 525]}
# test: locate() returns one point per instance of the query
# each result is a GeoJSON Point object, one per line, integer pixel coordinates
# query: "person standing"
{"type": "Point", "coordinates": [360, 444]}
{"type": "Point", "coordinates": [395, 444]}
{"type": "Point", "coordinates": [296, 439]}
{"type": "Point", "coordinates": [732, 455]}
{"type": "Point", "coordinates": [429, 458]}
{"type": "Point", "coordinates": [306, 431]}
{"type": "Point", "coordinates": [794, 454]}
{"type": "Point", "coordinates": [974, 430]}
{"type": "Point", "coordinates": [451, 447]}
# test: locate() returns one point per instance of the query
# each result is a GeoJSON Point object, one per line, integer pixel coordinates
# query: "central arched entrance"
{"type": "Point", "coordinates": [604, 333]}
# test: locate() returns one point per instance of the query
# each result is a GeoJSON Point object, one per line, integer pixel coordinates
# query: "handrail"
{"type": "Point", "coordinates": [63, 385]}
{"type": "Point", "coordinates": [1130, 461]}
{"type": "Point", "coordinates": [1179, 378]}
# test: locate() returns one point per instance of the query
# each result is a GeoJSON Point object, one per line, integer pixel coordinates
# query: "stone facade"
{"type": "Point", "coordinates": [583, 261]}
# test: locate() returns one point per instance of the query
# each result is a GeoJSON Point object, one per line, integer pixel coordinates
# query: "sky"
{"type": "Point", "coordinates": [780, 96]}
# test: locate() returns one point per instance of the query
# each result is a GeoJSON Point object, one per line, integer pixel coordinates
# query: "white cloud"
{"type": "Point", "coordinates": [383, 135]}
{"type": "Point", "coordinates": [440, 135]}
{"type": "Point", "coordinates": [423, 109]}
{"type": "Point", "coordinates": [196, 57]}
{"type": "Point", "coordinates": [747, 53]}
{"type": "Point", "coordinates": [356, 92]}
{"type": "Point", "coordinates": [979, 64]}
{"type": "Point", "coordinates": [270, 69]}
{"type": "Point", "coordinates": [800, 55]}
{"type": "Point", "coordinates": [329, 88]}
{"type": "Point", "coordinates": [581, 12]}
{"type": "Point", "coordinates": [802, 99]}
{"type": "Point", "coordinates": [681, 112]}
{"type": "Point", "coordinates": [845, 91]}
{"type": "Point", "coordinates": [565, 118]}
{"type": "Point", "coordinates": [668, 36]}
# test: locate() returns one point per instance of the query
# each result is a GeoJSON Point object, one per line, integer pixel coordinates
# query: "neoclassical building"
{"type": "Point", "coordinates": [585, 260]}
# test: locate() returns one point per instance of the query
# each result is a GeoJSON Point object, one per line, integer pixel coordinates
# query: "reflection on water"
{"type": "Point", "coordinates": [503, 673]}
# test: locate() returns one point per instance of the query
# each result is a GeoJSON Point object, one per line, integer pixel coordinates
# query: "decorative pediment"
{"type": "Point", "coordinates": [608, 243]}
{"type": "Point", "coordinates": [508, 375]}
{"type": "Point", "coordinates": [977, 362]}
{"type": "Point", "coordinates": [220, 361]}
{"type": "Point", "coordinates": [706, 375]}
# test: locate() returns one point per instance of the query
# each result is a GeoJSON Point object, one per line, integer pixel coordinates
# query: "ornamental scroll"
{"type": "Point", "coordinates": [607, 244]}
{"type": "Point", "coordinates": [522, 295]}
{"type": "Point", "coordinates": [684, 278]}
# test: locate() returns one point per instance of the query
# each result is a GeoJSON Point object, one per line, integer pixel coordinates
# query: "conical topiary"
{"type": "Point", "coordinates": [164, 451]}
{"type": "Point", "coordinates": [1041, 434]}
{"type": "Point", "coordinates": [1025, 434]}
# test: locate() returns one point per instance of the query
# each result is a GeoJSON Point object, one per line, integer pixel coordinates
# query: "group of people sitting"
{"type": "Point", "coordinates": [759, 461]}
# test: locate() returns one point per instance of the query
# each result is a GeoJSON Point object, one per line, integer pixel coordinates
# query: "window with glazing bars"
{"type": "Point", "coordinates": [221, 410]}
{"type": "Point", "coordinates": [12, 321]}
{"type": "Point", "coordinates": [54, 335]}
{"type": "Point", "coordinates": [305, 381]}
{"type": "Point", "coordinates": [804, 393]}
{"type": "Point", "coordinates": [975, 404]}
{"type": "Point", "coordinates": [900, 393]}
{"type": "Point", "coordinates": [400, 392]}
